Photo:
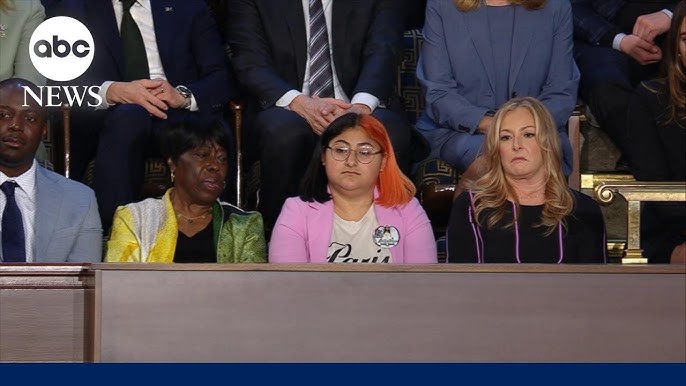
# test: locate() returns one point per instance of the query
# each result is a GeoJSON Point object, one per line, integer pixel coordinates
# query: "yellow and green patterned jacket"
{"type": "Point", "coordinates": [146, 232]}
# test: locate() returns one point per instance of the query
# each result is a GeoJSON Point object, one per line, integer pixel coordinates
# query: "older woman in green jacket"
{"type": "Point", "coordinates": [189, 224]}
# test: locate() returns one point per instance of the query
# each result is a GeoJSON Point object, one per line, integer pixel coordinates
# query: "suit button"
{"type": "Point", "coordinates": [514, 94]}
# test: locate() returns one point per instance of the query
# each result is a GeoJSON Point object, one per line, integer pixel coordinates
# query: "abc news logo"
{"type": "Point", "coordinates": [61, 49]}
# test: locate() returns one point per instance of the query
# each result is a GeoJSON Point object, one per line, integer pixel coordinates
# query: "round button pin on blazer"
{"type": "Point", "coordinates": [386, 236]}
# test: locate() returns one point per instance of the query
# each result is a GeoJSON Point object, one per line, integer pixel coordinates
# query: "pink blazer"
{"type": "Point", "coordinates": [302, 233]}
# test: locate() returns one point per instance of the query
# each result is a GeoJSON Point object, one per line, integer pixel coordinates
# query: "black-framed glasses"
{"type": "Point", "coordinates": [363, 154]}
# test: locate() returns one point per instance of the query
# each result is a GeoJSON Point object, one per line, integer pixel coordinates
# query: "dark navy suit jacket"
{"type": "Point", "coordinates": [593, 20]}
{"type": "Point", "coordinates": [187, 38]}
{"type": "Point", "coordinates": [269, 45]}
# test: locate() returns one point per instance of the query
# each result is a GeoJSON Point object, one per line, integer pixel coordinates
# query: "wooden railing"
{"type": "Point", "coordinates": [342, 313]}
{"type": "Point", "coordinates": [46, 312]}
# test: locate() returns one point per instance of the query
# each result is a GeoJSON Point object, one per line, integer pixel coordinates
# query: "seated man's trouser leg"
{"type": "Point", "coordinates": [285, 143]}
{"type": "Point", "coordinates": [119, 158]}
{"type": "Point", "coordinates": [608, 78]}
{"type": "Point", "coordinates": [85, 131]}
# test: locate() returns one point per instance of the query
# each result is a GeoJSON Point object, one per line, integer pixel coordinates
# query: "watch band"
{"type": "Point", "coordinates": [186, 93]}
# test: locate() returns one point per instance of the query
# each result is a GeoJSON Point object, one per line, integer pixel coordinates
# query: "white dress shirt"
{"type": "Point", "coordinates": [364, 98]}
{"type": "Point", "coordinates": [141, 12]}
{"type": "Point", "coordinates": [25, 195]}
{"type": "Point", "coordinates": [617, 41]}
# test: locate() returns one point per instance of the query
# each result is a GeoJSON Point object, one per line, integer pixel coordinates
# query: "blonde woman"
{"type": "Point", "coordinates": [521, 210]}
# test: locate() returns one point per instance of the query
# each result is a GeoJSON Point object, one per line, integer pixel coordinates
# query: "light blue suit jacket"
{"type": "Point", "coordinates": [457, 71]}
{"type": "Point", "coordinates": [67, 223]}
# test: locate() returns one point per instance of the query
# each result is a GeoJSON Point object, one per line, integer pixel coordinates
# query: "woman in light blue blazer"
{"type": "Point", "coordinates": [476, 55]}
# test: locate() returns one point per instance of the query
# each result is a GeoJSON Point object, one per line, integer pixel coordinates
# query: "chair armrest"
{"type": "Point", "coordinates": [63, 141]}
{"type": "Point", "coordinates": [237, 108]}
{"type": "Point", "coordinates": [574, 132]}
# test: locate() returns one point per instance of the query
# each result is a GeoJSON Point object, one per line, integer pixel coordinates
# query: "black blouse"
{"type": "Point", "coordinates": [196, 249]}
{"type": "Point", "coordinates": [582, 240]}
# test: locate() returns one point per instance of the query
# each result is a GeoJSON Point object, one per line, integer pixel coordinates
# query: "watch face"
{"type": "Point", "coordinates": [184, 91]}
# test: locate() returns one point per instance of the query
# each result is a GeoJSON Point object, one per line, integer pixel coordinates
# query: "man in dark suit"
{"type": "Point", "coordinates": [186, 76]}
{"type": "Point", "coordinates": [45, 217]}
{"type": "Point", "coordinates": [616, 46]}
{"type": "Point", "coordinates": [415, 12]}
{"type": "Point", "coordinates": [273, 58]}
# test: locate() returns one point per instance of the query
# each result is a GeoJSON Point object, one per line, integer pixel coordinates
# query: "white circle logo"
{"type": "Point", "coordinates": [61, 48]}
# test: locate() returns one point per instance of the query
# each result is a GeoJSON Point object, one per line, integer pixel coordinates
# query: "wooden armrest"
{"type": "Point", "coordinates": [574, 132]}
{"type": "Point", "coordinates": [237, 108]}
{"type": "Point", "coordinates": [66, 132]}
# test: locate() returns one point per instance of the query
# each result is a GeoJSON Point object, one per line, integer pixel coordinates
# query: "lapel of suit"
{"type": "Point", "coordinates": [104, 25]}
{"type": "Point", "coordinates": [341, 20]}
{"type": "Point", "coordinates": [295, 18]}
{"type": "Point", "coordinates": [319, 227]}
{"type": "Point", "coordinates": [477, 25]}
{"type": "Point", "coordinates": [48, 204]}
{"type": "Point", "coordinates": [525, 23]}
{"type": "Point", "coordinates": [163, 22]}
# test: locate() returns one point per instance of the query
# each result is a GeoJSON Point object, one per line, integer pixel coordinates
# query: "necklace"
{"type": "Point", "coordinates": [191, 219]}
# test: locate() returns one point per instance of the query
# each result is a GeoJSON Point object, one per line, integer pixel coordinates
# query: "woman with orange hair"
{"type": "Point", "coordinates": [355, 204]}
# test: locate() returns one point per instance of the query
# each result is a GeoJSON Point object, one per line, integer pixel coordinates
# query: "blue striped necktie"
{"type": "Point", "coordinates": [13, 239]}
{"type": "Point", "coordinates": [321, 76]}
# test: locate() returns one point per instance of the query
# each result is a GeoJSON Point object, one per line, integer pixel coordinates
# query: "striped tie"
{"type": "Point", "coordinates": [321, 77]}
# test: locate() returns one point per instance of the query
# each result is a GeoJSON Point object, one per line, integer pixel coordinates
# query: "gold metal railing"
{"type": "Point", "coordinates": [635, 192]}
{"type": "Point", "coordinates": [590, 180]}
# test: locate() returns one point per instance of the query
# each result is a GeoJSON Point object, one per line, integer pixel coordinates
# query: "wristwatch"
{"type": "Point", "coordinates": [186, 93]}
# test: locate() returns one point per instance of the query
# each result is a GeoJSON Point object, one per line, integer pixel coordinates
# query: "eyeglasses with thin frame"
{"type": "Point", "coordinates": [363, 154]}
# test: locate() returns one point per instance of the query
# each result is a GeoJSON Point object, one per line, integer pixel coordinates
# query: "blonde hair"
{"type": "Point", "coordinates": [471, 5]}
{"type": "Point", "coordinates": [492, 189]}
